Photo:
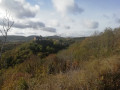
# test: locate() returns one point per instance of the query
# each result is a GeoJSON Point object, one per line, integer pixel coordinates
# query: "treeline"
{"type": "Point", "coordinates": [100, 45]}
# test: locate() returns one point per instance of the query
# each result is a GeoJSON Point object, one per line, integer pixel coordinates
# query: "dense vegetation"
{"type": "Point", "coordinates": [90, 64]}
{"type": "Point", "coordinates": [38, 48]}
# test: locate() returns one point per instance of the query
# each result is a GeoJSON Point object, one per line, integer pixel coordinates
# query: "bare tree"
{"type": "Point", "coordinates": [7, 23]}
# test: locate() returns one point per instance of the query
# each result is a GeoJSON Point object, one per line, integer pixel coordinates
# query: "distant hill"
{"type": "Point", "coordinates": [13, 38]}
{"type": "Point", "coordinates": [17, 38]}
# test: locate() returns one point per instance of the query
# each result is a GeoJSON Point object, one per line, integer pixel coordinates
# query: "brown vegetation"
{"type": "Point", "coordinates": [92, 64]}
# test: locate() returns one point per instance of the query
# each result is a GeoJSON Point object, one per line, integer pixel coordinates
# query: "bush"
{"type": "Point", "coordinates": [22, 85]}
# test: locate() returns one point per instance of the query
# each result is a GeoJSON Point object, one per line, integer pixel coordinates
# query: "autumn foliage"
{"type": "Point", "coordinates": [89, 64]}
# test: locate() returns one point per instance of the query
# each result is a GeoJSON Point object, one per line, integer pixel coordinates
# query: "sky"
{"type": "Point", "coordinates": [67, 18]}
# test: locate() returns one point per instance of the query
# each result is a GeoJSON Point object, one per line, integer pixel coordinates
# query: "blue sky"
{"type": "Point", "coordinates": [61, 17]}
{"type": "Point", "coordinates": [95, 4]}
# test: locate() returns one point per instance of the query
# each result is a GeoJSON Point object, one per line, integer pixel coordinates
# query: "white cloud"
{"type": "Point", "coordinates": [67, 27]}
{"type": "Point", "coordinates": [29, 24]}
{"type": "Point", "coordinates": [106, 16]}
{"type": "Point", "coordinates": [91, 24]}
{"type": "Point", "coordinates": [19, 8]}
{"type": "Point", "coordinates": [34, 25]}
{"type": "Point", "coordinates": [25, 16]}
{"type": "Point", "coordinates": [53, 23]}
{"type": "Point", "coordinates": [49, 29]}
{"type": "Point", "coordinates": [118, 20]}
{"type": "Point", "coordinates": [67, 6]}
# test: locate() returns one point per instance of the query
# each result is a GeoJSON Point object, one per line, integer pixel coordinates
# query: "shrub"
{"type": "Point", "coordinates": [22, 85]}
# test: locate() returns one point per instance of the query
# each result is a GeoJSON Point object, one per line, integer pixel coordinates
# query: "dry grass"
{"type": "Point", "coordinates": [95, 75]}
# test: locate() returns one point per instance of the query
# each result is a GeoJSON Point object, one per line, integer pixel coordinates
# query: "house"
{"type": "Point", "coordinates": [38, 38]}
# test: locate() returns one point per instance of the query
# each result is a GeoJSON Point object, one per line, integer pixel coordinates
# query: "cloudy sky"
{"type": "Point", "coordinates": [60, 17]}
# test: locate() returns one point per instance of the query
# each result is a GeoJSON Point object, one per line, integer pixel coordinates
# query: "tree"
{"type": "Point", "coordinates": [7, 23]}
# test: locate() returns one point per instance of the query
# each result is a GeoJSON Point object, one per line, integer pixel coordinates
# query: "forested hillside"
{"type": "Point", "coordinates": [92, 63]}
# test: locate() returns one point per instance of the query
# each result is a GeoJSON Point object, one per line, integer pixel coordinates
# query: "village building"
{"type": "Point", "coordinates": [38, 38]}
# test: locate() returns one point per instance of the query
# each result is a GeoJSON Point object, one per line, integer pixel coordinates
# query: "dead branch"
{"type": "Point", "coordinates": [6, 26]}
